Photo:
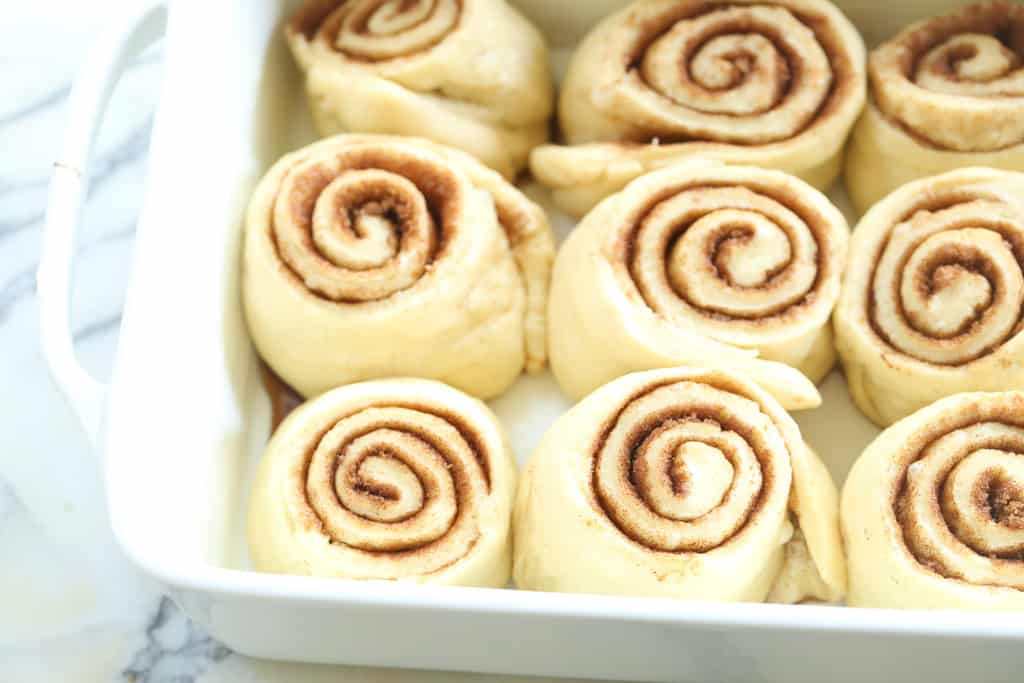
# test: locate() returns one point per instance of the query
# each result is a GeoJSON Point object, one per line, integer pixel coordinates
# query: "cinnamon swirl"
{"type": "Point", "coordinates": [933, 511]}
{"type": "Point", "coordinates": [394, 479]}
{"type": "Point", "coordinates": [375, 256]}
{"type": "Point", "coordinates": [946, 93]}
{"type": "Point", "coordinates": [472, 74]}
{"type": "Point", "coordinates": [932, 302]}
{"type": "Point", "coordinates": [677, 483]}
{"type": "Point", "coordinates": [773, 83]}
{"type": "Point", "coordinates": [706, 265]}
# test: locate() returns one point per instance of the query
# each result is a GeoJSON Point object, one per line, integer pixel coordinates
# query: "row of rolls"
{"type": "Point", "coordinates": [419, 261]}
{"type": "Point", "coordinates": [687, 313]}
{"type": "Point", "coordinates": [782, 84]}
{"type": "Point", "coordinates": [677, 483]}
{"type": "Point", "coordinates": [700, 298]}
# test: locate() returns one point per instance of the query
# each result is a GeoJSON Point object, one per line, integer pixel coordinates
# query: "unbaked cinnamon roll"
{"type": "Point", "coordinates": [678, 483]}
{"type": "Point", "coordinates": [933, 511]}
{"type": "Point", "coordinates": [705, 265]}
{"type": "Point", "coordinates": [946, 92]}
{"type": "Point", "coordinates": [472, 74]}
{"type": "Point", "coordinates": [932, 302]}
{"type": "Point", "coordinates": [773, 83]}
{"type": "Point", "coordinates": [394, 479]}
{"type": "Point", "coordinates": [376, 256]}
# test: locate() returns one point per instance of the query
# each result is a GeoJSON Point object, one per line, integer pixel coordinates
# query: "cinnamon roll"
{"type": "Point", "coordinates": [678, 483]}
{"type": "Point", "coordinates": [933, 511]}
{"type": "Point", "coordinates": [932, 302]}
{"type": "Point", "coordinates": [374, 256]}
{"type": "Point", "coordinates": [946, 92]}
{"type": "Point", "coordinates": [773, 83]}
{"type": "Point", "coordinates": [403, 479]}
{"type": "Point", "coordinates": [705, 265]}
{"type": "Point", "coordinates": [472, 74]}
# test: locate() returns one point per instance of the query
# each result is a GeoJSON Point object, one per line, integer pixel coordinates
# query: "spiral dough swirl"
{"type": "Point", "coordinates": [374, 486]}
{"type": "Point", "coordinates": [706, 265]}
{"type": "Point", "coordinates": [770, 83]}
{"type": "Point", "coordinates": [734, 258]}
{"type": "Point", "coordinates": [678, 483]}
{"type": "Point", "coordinates": [742, 73]}
{"type": "Point", "coordinates": [366, 222]}
{"type": "Point", "coordinates": [949, 481]}
{"type": "Point", "coordinates": [685, 465]}
{"type": "Point", "coordinates": [358, 240]}
{"type": "Point", "coordinates": [956, 81]}
{"type": "Point", "coordinates": [937, 283]}
{"type": "Point", "coordinates": [398, 479]}
{"type": "Point", "coordinates": [379, 30]}
{"type": "Point", "coordinates": [976, 531]}
{"type": "Point", "coordinates": [948, 287]}
{"type": "Point", "coordinates": [470, 74]}
{"type": "Point", "coordinates": [751, 75]}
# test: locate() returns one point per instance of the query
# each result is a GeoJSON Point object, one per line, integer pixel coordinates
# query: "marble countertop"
{"type": "Point", "coordinates": [74, 609]}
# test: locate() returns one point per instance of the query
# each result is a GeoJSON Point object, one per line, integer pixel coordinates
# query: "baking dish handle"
{"type": "Point", "coordinates": [90, 94]}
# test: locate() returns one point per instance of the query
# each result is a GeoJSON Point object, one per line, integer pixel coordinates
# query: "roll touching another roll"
{"type": "Point", "coordinates": [932, 303]}
{"type": "Point", "coordinates": [706, 265]}
{"type": "Point", "coordinates": [678, 483]}
{"type": "Point", "coordinates": [946, 93]}
{"type": "Point", "coordinates": [933, 511]}
{"type": "Point", "coordinates": [472, 74]}
{"type": "Point", "coordinates": [375, 256]}
{"type": "Point", "coordinates": [773, 83]}
{"type": "Point", "coordinates": [396, 479]}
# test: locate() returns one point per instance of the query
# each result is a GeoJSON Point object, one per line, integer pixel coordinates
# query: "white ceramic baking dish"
{"type": "Point", "coordinates": [184, 418]}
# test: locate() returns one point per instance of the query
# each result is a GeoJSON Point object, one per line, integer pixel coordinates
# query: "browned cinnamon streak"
{"type": "Point", "coordinates": [624, 253]}
{"type": "Point", "coordinates": [844, 79]}
{"type": "Point", "coordinates": [324, 20]}
{"type": "Point", "coordinates": [283, 399]}
{"type": "Point", "coordinates": [1002, 500]}
{"type": "Point", "coordinates": [439, 187]}
{"type": "Point", "coordinates": [936, 268]}
{"type": "Point", "coordinates": [369, 194]}
{"type": "Point", "coordinates": [318, 503]}
{"type": "Point", "coordinates": [617, 510]}
{"type": "Point", "coordinates": [307, 20]}
{"type": "Point", "coordinates": [386, 493]}
{"type": "Point", "coordinates": [1000, 19]}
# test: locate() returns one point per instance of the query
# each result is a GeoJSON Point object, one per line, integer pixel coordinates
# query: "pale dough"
{"type": "Point", "coordinates": [933, 510]}
{"type": "Point", "coordinates": [472, 74]}
{"type": "Point", "coordinates": [662, 81]}
{"type": "Point", "coordinates": [677, 483]}
{"type": "Point", "coordinates": [946, 93]}
{"type": "Point", "coordinates": [701, 264]}
{"type": "Point", "coordinates": [402, 479]}
{"type": "Point", "coordinates": [932, 301]}
{"type": "Point", "coordinates": [376, 256]}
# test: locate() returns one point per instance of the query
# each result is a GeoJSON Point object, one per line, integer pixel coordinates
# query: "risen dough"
{"type": "Point", "coordinates": [375, 256]}
{"type": "Point", "coordinates": [933, 511]}
{"type": "Point", "coordinates": [932, 302]}
{"type": "Point", "coordinates": [472, 74]}
{"type": "Point", "coordinates": [394, 479]}
{"type": "Point", "coordinates": [773, 83]}
{"type": "Point", "coordinates": [946, 93]}
{"type": "Point", "coordinates": [706, 265]}
{"type": "Point", "coordinates": [676, 483]}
